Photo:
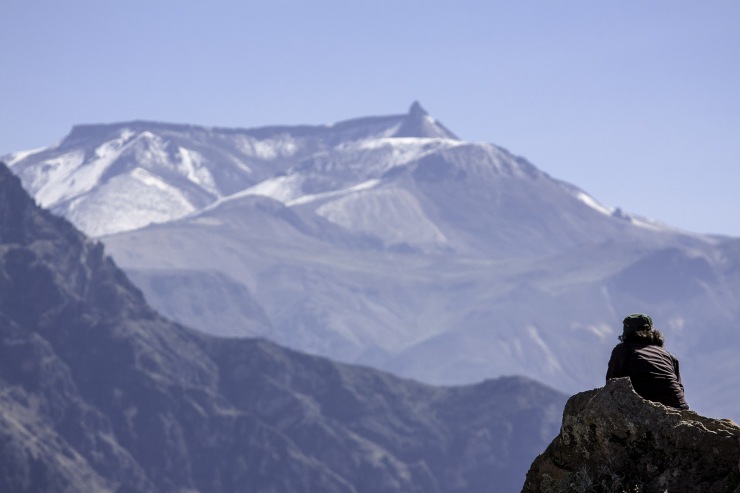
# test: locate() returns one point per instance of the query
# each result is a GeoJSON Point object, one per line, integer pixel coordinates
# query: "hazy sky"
{"type": "Point", "coordinates": [636, 102]}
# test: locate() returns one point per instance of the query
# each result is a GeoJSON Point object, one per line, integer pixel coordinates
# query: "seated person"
{"type": "Point", "coordinates": [641, 357]}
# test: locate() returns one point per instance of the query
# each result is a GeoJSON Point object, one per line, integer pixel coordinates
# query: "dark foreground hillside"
{"type": "Point", "coordinates": [100, 393]}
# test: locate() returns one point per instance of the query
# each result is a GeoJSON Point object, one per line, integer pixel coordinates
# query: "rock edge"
{"type": "Point", "coordinates": [613, 440]}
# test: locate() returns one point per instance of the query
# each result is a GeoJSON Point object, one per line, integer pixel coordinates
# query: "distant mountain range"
{"type": "Point", "coordinates": [100, 393]}
{"type": "Point", "coordinates": [391, 242]}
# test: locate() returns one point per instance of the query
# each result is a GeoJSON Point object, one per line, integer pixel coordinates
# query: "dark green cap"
{"type": "Point", "coordinates": [637, 321]}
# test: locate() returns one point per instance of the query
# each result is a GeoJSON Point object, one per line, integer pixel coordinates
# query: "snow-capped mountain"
{"type": "Point", "coordinates": [390, 241]}
{"type": "Point", "coordinates": [120, 177]}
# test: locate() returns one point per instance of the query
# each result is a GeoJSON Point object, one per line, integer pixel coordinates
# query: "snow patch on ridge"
{"type": "Point", "coordinates": [280, 188]}
{"type": "Point", "coordinates": [593, 203]}
{"type": "Point", "coordinates": [647, 223]}
{"type": "Point", "coordinates": [305, 199]}
{"type": "Point", "coordinates": [641, 222]}
{"type": "Point", "coordinates": [268, 149]}
{"type": "Point", "coordinates": [151, 180]}
{"type": "Point", "coordinates": [69, 175]}
{"type": "Point", "coordinates": [191, 165]}
{"type": "Point", "coordinates": [394, 215]}
{"type": "Point", "coordinates": [151, 149]}
{"type": "Point", "coordinates": [127, 202]}
{"type": "Point", "coordinates": [15, 157]}
{"type": "Point", "coordinates": [285, 189]}
{"type": "Point", "coordinates": [78, 177]}
{"type": "Point", "coordinates": [390, 132]}
{"type": "Point", "coordinates": [41, 181]}
{"type": "Point", "coordinates": [405, 149]}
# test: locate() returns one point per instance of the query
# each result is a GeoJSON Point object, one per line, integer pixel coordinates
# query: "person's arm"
{"type": "Point", "coordinates": [677, 371]}
{"type": "Point", "coordinates": [616, 363]}
{"type": "Point", "coordinates": [682, 397]}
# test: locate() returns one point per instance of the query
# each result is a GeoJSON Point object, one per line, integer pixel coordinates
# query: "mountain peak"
{"type": "Point", "coordinates": [416, 110]}
{"type": "Point", "coordinates": [418, 123]}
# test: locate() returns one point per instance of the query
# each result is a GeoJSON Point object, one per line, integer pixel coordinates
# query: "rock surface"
{"type": "Point", "coordinates": [612, 440]}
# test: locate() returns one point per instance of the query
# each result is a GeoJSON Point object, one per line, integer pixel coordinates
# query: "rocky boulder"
{"type": "Point", "coordinates": [613, 440]}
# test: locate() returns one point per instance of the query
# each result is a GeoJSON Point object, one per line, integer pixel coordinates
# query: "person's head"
{"type": "Point", "coordinates": [638, 327]}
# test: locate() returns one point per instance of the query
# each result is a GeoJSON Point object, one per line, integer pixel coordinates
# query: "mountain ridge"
{"type": "Point", "coordinates": [178, 169]}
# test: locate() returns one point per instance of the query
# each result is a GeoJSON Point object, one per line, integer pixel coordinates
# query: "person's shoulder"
{"type": "Point", "coordinates": [655, 349]}
{"type": "Point", "coordinates": [622, 346]}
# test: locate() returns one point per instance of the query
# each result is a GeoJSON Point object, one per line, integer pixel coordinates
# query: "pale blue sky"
{"type": "Point", "coordinates": [636, 102]}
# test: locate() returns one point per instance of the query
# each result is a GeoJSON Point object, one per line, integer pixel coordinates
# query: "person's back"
{"type": "Point", "coordinates": [653, 371]}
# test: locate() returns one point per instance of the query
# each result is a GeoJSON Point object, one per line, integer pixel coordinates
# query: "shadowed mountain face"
{"type": "Point", "coordinates": [389, 241]}
{"type": "Point", "coordinates": [100, 393]}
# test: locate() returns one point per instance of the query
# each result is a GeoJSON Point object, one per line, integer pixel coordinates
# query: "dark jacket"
{"type": "Point", "coordinates": [653, 371]}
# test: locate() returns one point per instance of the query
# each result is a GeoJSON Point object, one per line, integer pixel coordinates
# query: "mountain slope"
{"type": "Point", "coordinates": [100, 393]}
